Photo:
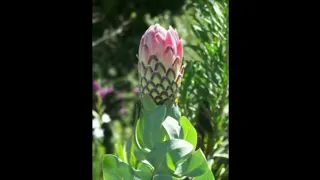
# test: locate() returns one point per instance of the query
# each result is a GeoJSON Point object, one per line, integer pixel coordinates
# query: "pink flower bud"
{"type": "Point", "coordinates": [160, 63]}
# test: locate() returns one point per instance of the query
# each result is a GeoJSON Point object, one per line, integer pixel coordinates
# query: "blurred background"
{"type": "Point", "coordinates": [117, 26]}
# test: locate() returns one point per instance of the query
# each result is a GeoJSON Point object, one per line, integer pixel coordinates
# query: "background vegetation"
{"type": "Point", "coordinates": [116, 31]}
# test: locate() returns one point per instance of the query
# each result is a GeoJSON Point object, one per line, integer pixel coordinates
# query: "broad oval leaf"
{"type": "Point", "coordinates": [148, 104]}
{"type": "Point", "coordinates": [171, 127]}
{"type": "Point", "coordinates": [174, 111]}
{"type": "Point", "coordinates": [164, 177]}
{"type": "Point", "coordinates": [195, 165]}
{"type": "Point", "coordinates": [152, 127]}
{"type": "Point", "coordinates": [188, 132]}
{"type": "Point", "coordinates": [207, 176]}
{"type": "Point", "coordinates": [144, 171]}
{"type": "Point", "coordinates": [166, 155]}
{"type": "Point", "coordinates": [115, 168]}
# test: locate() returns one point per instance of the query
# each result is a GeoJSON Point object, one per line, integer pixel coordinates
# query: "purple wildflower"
{"type": "Point", "coordinates": [137, 90]}
{"type": "Point", "coordinates": [123, 111]}
{"type": "Point", "coordinates": [110, 90]}
{"type": "Point", "coordinates": [102, 92]}
{"type": "Point", "coordinates": [96, 86]}
{"type": "Point", "coordinates": [105, 91]}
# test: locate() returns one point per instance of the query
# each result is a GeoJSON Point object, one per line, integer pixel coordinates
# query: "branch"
{"type": "Point", "coordinates": [114, 33]}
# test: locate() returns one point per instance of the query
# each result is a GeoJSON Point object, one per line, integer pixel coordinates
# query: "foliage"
{"type": "Point", "coordinates": [209, 77]}
{"type": "Point", "coordinates": [159, 147]}
{"type": "Point", "coordinates": [203, 96]}
{"type": "Point", "coordinates": [204, 92]}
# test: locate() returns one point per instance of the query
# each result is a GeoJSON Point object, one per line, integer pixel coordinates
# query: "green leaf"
{"type": "Point", "coordinates": [164, 177]}
{"type": "Point", "coordinates": [197, 28]}
{"type": "Point", "coordinates": [137, 149]}
{"type": "Point", "coordinates": [197, 49]}
{"type": "Point", "coordinates": [172, 127]}
{"type": "Point", "coordinates": [174, 111]}
{"type": "Point", "coordinates": [217, 10]}
{"type": "Point", "coordinates": [168, 154]}
{"type": "Point", "coordinates": [121, 151]}
{"type": "Point", "coordinates": [153, 124]}
{"type": "Point", "coordinates": [138, 133]}
{"type": "Point", "coordinates": [115, 168]}
{"type": "Point", "coordinates": [144, 171]}
{"type": "Point", "coordinates": [148, 104]}
{"type": "Point", "coordinates": [207, 176]}
{"type": "Point", "coordinates": [188, 132]}
{"type": "Point", "coordinates": [145, 166]}
{"type": "Point", "coordinates": [130, 148]}
{"type": "Point", "coordinates": [195, 165]}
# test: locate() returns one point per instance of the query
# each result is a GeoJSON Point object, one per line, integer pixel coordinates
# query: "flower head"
{"type": "Point", "coordinates": [160, 63]}
{"type": "Point", "coordinates": [102, 92]}
{"type": "Point", "coordinates": [105, 118]}
{"type": "Point", "coordinates": [96, 86]}
{"type": "Point", "coordinates": [98, 133]}
{"type": "Point", "coordinates": [110, 90]}
{"type": "Point", "coordinates": [137, 90]}
{"type": "Point", "coordinates": [123, 111]}
{"type": "Point", "coordinates": [95, 123]}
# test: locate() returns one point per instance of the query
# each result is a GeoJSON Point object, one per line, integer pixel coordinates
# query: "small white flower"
{"type": "Point", "coordinates": [95, 123]}
{"type": "Point", "coordinates": [106, 118]}
{"type": "Point", "coordinates": [98, 133]}
{"type": "Point", "coordinates": [95, 114]}
{"type": "Point", "coordinates": [112, 71]}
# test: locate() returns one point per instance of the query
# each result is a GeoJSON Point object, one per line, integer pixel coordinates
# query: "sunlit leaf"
{"type": "Point", "coordinates": [164, 177]}
{"type": "Point", "coordinates": [115, 168]}
{"type": "Point", "coordinates": [172, 127]}
{"type": "Point", "coordinates": [195, 165]}
{"type": "Point", "coordinates": [168, 154]}
{"type": "Point", "coordinates": [153, 124]}
{"type": "Point", "coordinates": [188, 132]}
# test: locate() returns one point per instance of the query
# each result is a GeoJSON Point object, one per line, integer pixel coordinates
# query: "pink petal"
{"type": "Point", "coordinates": [155, 27]}
{"type": "Point", "coordinates": [180, 49]}
{"type": "Point", "coordinates": [168, 58]}
{"type": "Point", "coordinates": [149, 29]}
{"type": "Point", "coordinates": [145, 54]}
{"type": "Point", "coordinates": [141, 45]}
{"type": "Point", "coordinates": [149, 40]}
{"type": "Point", "coordinates": [160, 37]}
{"type": "Point", "coordinates": [161, 30]}
{"type": "Point", "coordinates": [174, 33]}
{"type": "Point", "coordinates": [170, 42]}
{"type": "Point", "coordinates": [158, 44]}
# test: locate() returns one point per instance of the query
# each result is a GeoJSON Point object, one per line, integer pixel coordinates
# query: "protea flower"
{"type": "Point", "coordinates": [160, 63]}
